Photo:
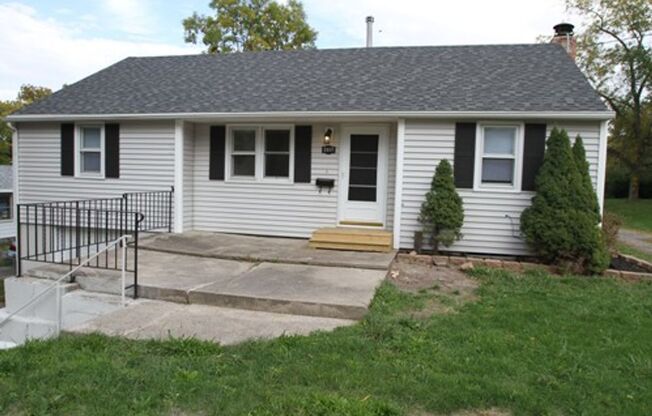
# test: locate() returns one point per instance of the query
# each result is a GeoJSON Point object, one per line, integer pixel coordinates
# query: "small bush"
{"type": "Point", "coordinates": [611, 224]}
{"type": "Point", "coordinates": [562, 225]}
{"type": "Point", "coordinates": [442, 214]}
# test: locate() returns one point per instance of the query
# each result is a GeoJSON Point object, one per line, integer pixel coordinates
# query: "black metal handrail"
{"type": "Point", "coordinates": [66, 232]}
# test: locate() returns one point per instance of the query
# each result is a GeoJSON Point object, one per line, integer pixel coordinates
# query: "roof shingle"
{"type": "Point", "coordinates": [537, 77]}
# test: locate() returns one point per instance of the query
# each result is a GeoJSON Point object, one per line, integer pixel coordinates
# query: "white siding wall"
{"type": "Point", "coordinates": [7, 229]}
{"type": "Point", "coordinates": [491, 223]}
{"type": "Point", "coordinates": [146, 163]}
{"type": "Point", "coordinates": [290, 210]}
{"type": "Point", "coordinates": [188, 165]}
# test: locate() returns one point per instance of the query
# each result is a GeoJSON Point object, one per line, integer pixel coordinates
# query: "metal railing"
{"type": "Point", "coordinates": [121, 241]}
{"type": "Point", "coordinates": [64, 232]}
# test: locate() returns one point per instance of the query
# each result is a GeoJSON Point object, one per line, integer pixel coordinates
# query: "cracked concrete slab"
{"type": "Point", "coordinates": [262, 249]}
{"type": "Point", "coordinates": [149, 319]}
{"type": "Point", "coordinates": [335, 292]}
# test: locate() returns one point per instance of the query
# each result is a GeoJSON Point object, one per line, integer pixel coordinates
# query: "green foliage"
{"type": "Point", "coordinates": [561, 225]}
{"type": "Point", "coordinates": [614, 52]}
{"type": "Point", "coordinates": [251, 25]}
{"type": "Point", "coordinates": [635, 214]}
{"type": "Point", "coordinates": [442, 214]}
{"type": "Point", "coordinates": [27, 95]}
{"type": "Point", "coordinates": [533, 344]}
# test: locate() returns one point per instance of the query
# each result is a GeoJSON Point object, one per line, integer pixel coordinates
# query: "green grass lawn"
{"type": "Point", "coordinates": [531, 344]}
{"type": "Point", "coordinates": [636, 215]}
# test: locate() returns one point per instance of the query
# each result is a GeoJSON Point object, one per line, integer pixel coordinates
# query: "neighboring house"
{"type": "Point", "coordinates": [246, 138]}
{"type": "Point", "coordinates": [7, 225]}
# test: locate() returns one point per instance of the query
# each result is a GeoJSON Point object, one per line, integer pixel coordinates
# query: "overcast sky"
{"type": "Point", "coordinates": [51, 43]}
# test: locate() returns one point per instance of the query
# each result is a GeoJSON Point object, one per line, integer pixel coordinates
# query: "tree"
{"type": "Point", "coordinates": [615, 53]}
{"type": "Point", "coordinates": [442, 213]}
{"type": "Point", "coordinates": [28, 94]}
{"type": "Point", "coordinates": [588, 195]}
{"type": "Point", "coordinates": [251, 25]}
{"type": "Point", "coordinates": [561, 225]}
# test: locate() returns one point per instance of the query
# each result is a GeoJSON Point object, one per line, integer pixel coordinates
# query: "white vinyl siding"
{"type": "Point", "coordinates": [269, 208]}
{"type": "Point", "coordinates": [492, 218]}
{"type": "Point", "coordinates": [188, 164]}
{"type": "Point", "coordinates": [146, 163]}
{"type": "Point", "coordinates": [262, 208]}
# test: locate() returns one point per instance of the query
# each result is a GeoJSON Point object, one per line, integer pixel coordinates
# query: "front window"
{"type": "Point", "coordinates": [498, 156]}
{"type": "Point", "coordinates": [5, 206]}
{"type": "Point", "coordinates": [90, 150]}
{"type": "Point", "coordinates": [243, 155]}
{"type": "Point", "coordinates": [277, 153]}
{"type": "Point", "coordinates": [260, 153]}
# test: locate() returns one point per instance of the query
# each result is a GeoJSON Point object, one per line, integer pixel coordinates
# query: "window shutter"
{"type": "Point", "coordinates": [535, 146]}
{"type": "Point", "coordinates": [302, 153]}
{"type": "Point", "coordinates": [217, 153]}
{"type": "Point", "coordinates": [464, 163]}
{"type": "Point", "coordinates": [112, 150]}
{"type": "Point", "coordinates": [67, 149]}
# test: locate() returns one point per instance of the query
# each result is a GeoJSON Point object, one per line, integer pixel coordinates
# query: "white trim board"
{"type": "Point", "coordinates": [398, 177]}
{"type": "Point", "coordinates": [178, 175]}
{"type": "Point", "coordinates": [602, 163]}
{"type": "Point", "coordinates": [323, 115]}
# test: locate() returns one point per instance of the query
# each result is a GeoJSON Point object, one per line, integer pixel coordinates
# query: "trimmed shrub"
{"type": "Point", "coordinates": [561, 226]}
{"type": "Point", "coordinates": [442, 214]}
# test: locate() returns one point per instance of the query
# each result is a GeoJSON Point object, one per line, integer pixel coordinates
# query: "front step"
{"type": "Point", "coordinates": [355, 239]}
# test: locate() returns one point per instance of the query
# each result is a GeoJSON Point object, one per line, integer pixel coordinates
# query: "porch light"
{"type": "Point", "coordinates": [328, 136]}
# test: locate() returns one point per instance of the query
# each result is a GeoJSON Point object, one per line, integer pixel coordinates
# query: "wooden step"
{"type": "Point", "coordinates": [357, 239]}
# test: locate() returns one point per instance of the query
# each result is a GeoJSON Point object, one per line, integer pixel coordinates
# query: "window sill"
{"type": "Point", "coordinates": [282, 181]}
{"type": "Point", "coordinates": [89, 176]}
{"type": "Point", "coordinates": [501, 189]}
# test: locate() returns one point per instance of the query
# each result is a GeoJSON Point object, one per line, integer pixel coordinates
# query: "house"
{"type": "Point", "coordinates": [7, 225]}
{"type": "Point", "coordinates": [284, 143]}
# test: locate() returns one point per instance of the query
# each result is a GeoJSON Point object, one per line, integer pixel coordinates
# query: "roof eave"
{"type": "Point", "coordinates": [534, 115]}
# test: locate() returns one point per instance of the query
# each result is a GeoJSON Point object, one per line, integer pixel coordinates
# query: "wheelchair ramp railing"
{"type": "Point", "coordinates": [66, 232]}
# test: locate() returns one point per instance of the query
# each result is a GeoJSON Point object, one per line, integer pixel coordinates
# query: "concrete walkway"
{"type": "Point", "coordinates": [301, 289]}
{"type": "Point", "coordinates": [262, 249]}
{"type": "Point", "coordinates": [147, 319]}
{"type": "Point", "coordinates": [637, 239]}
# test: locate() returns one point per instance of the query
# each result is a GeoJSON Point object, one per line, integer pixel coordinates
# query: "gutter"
{"type": "Point", "coordinates": [315, 115]}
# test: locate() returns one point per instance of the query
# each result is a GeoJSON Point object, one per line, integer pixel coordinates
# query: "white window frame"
{"type": "Point", "coordinates": [517, 156]}
{"type": "Point", "coordinates": [232, 152]}
{"type": "Point", "coordinates": [259, 175]}
{"type": "Point", "coordinates": [79, 150]}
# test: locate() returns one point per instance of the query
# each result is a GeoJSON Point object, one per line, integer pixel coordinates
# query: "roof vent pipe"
{"type": "Point", "coordinates": [370, 31]}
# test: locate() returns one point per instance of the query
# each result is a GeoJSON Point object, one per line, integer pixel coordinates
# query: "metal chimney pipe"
{"type": "Point", "coordinates": [370, 31]}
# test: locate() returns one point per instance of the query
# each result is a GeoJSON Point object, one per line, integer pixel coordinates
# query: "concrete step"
{"type": "Point", "coordinates": [348, 238]}
{"type": "Point", "coordinates": [321, 291]}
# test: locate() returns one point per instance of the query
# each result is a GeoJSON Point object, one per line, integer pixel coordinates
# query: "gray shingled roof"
{"type": "Point", "coordinates": [6, 177]}
{"type": "Point", "coordinates": [537, 77]}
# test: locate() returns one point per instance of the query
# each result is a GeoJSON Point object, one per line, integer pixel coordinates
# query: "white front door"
{"type": "Point", "coordinates": [363, 175]}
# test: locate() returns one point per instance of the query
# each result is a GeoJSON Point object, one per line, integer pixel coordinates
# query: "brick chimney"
{"type": "Point", "coordinates": [564, 36]}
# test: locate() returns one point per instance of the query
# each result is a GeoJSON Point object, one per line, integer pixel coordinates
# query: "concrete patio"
{"type": "Point", "coordinates": [262, 249]}
{"type": "Point", "coordinates": [276, 275]}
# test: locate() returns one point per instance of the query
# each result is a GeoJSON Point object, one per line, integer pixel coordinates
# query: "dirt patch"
{"type": "Point", "coordinates": [448, 288]}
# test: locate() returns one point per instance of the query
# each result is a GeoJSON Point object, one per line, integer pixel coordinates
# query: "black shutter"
{"type": "Point", "coordinates": [302, 153]}
{"type": "Point", "coordinates": [112, 150]}
{"type": "Point", "coordinates": [464, 163]}
{"type": "Point", "coordinates": [217, 153]}
{"type": "Point", "coordinates": [535, 146]}
{"type": "Point", "coordinates": [68, 149]}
